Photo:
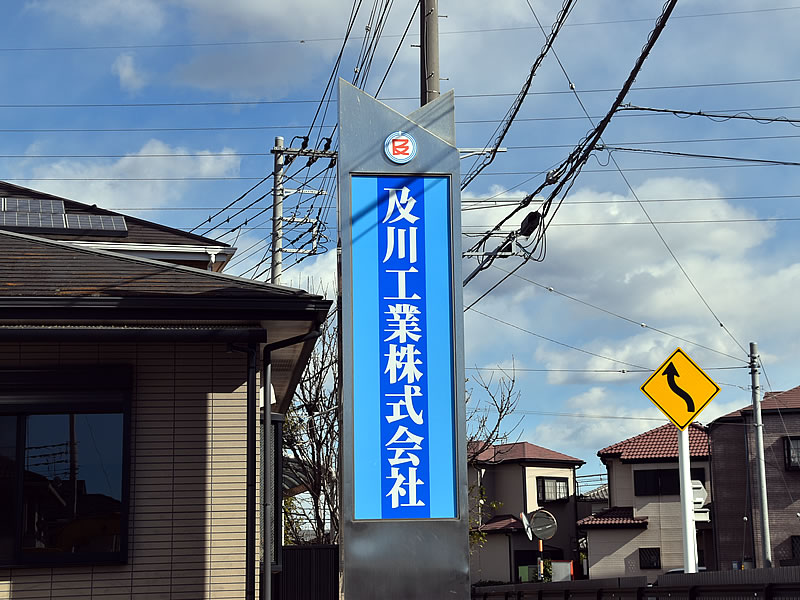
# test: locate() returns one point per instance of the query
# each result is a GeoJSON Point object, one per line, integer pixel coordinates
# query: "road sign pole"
{"type": "Point", "coordinates": [687, 504]}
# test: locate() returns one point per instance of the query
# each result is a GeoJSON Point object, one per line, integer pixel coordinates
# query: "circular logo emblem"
{"type": "Point", "coordinates": [400, 147]}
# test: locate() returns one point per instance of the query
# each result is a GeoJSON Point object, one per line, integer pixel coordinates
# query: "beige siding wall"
{"type": "Point", "coordinates": [620, 483]}
{"type": "Point", "coordinates": [531, 473]}
{"type": "Point", "coordinates": [187, 493]}
{"type": "Point", "coordinates": [615, 552]}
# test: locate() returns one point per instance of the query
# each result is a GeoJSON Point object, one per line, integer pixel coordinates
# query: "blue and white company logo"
{"type": "Point", "coordinates": [400, 147]}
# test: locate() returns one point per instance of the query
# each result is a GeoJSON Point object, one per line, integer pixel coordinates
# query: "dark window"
{"type": "Point", "coordinates": [792, 452]}
{"type": "Point", "coordinates": [662, 482]}
{"type": "Point", "coordinates": [649, 558]}
{"type": "Point", "coordinates": [8, 483]}
{"type": "Point", "coordinates": [796, 546]}
{"type": "Point", "coordinates": [63, 472]}
{"type": "Point", "coordinates": [552, 489]}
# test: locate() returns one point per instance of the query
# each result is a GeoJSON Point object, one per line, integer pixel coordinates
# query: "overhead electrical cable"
{"type": "Point", "coordinates": [564, 176]}
{"type": "Point", "coordinates": [565, 345]}
{"type": "Point", "coordinates": [336, 39]}
{"type": "Point", "coordinates": [500, 133]}
{"type": "Point", "coordinates": [762, 161]}
{"type": "Point", "coordinates": [622, 317]}
{"type": "Point", "coordinates": [715, 116]}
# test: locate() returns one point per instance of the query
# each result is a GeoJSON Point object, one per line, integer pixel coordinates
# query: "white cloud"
{"type": "Point", "coordinates": [145, 15]}
{"type": "Point", "coordinates": [131, 79]}
{"type": "Point", "coordinates": [133, 180]}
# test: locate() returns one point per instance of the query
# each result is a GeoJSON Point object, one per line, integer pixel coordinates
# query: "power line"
{"type": "Point", "coordinates": [393, 98]}
{"type": "Point", "coordinates": [565, 345]}
{"type": "Point", "coordinates": [464, 122]}
{"type": "Point", "coordinates": [619, 316]}
{"type": "Point", "coordinates": [565, 175]}
{"type": "Point", "coordinates": [741, 115]}
{"type": "Point", "coordinates": [686, 222]}
{"type": "Point", "coordinates": [761, 161]}
{"type": "Point", "coordinates": [336, 39]}
{"type": "Point", "coordinates": [501, 131]}
{"type": "Point", "coordinates": [399, 45]}
{"type": "Point", "coordinates": [215, 215]}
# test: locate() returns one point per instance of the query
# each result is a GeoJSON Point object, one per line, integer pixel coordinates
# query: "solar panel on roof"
{"type": "Point", "coordinates": [97, 222]}
{"type": "Point", "coordinates": [34, 205]}
{"type": "Point", "coordinates": [32, 220]}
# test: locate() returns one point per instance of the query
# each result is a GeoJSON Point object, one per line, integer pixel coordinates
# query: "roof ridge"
{"type": "Point", "coordinates": [155, 263]}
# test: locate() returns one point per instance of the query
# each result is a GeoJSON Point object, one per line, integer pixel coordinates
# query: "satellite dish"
{"type": "Point", "coordinates": [543, 524]}
{"type": "Point", "coordinates": [527, 524]}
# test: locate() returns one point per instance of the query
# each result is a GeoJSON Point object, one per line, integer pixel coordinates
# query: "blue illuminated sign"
{"type": "Point", "coordinates": [404, 400]}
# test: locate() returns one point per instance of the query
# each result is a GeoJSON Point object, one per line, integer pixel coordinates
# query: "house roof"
{"type": "Point", "coordinates": [502, 523]}
{"type": "Point", "coordinates": [660, 443]}
{"type": "Point", "coordinates": [58, 269]}
{"type": "Point", "coordinates": [613, 518]}
{"type": "Point", "coordinates": [524, 451]}
{"type": "Point", "coordinates": [773, 401]}
{"type": "Point", "coordinates": [50, 286]}
{"type": "Point", "coordinates": [597, 494]}
{"type": "Point", "coordinates": [139, 231]}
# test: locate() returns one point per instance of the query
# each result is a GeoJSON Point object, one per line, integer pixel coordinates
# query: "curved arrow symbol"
{"type": "Point", "coordinates": [671, 373]}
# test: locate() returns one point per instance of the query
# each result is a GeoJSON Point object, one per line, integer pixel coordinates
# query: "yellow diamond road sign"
{"type": "Point", "coordinates": [680, 389]}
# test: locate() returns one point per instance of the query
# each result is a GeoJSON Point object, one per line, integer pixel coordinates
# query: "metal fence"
{"type": "Point", "coordinates": [756, 584]}
{"type": "Point", "coordinates": [309, 573]}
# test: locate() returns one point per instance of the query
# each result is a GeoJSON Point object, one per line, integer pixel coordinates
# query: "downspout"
{"type": "Point", "coordinates": [265, 450]}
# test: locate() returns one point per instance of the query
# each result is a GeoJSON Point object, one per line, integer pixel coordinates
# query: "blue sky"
{"type": "Point", "coordinates": [179, 90]}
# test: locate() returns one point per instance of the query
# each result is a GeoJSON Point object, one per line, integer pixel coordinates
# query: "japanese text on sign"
{"type": "Point", "coordinates": [403, 349]}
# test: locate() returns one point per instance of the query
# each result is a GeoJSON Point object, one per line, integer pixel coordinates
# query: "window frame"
{"type": "Point", "coordinates": [657, 565]}
{"type": "Point", "coordinates": [541, 489]}
{"type": "Point", "coordinates": [103, 389]}
{"type": "Point", "coordinates": [787, 453]}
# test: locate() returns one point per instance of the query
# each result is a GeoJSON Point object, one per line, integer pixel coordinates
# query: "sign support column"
{"type": "Point", "coordinates": [687, 504]}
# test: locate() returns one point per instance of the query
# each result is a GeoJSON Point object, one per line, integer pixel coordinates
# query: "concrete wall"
{"type": "Point", "coordinates": [187, 493]}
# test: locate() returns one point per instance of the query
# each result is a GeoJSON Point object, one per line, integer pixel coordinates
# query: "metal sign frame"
{"type": "Point", "coordinates": [415, 556]}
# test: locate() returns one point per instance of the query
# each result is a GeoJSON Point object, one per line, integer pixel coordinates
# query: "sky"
{"type": "Point", "coordinates": [167, 110]}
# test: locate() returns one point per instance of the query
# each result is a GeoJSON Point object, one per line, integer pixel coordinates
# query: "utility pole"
{"type": "Point", "coordinates": [277, 212]}
{"type": "Point", "coordinates": [429, 51]}
{"type": "Point", "coordinates": [766, 547]}
{"type": "Point", "coordinates": [276, 267]}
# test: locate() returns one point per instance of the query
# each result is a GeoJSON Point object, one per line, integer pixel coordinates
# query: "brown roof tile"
{"type": "Point", "coordinates": [790, 399]}
{"type": "Point", "coordinates": [658, 443]}
{"type": "Point", "coordinates": [612, 518]}
{"type": "Point", "coordinates": [37, 267]}
{"type": "Point", "coordinates": [502, 523]}
{"type": "Point", "coordinates": [523, 451]}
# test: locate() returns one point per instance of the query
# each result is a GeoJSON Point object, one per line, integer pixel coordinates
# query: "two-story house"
{"type": "Point", "coordinates": [515, 478]}
{"type": "Point", "coordinates": [640, 534]}
{"type": "Point", "coordinates": [734, 465]}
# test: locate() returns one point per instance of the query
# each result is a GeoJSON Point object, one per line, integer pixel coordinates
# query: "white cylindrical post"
{"type": "Point", "coordinates": [687, 503]}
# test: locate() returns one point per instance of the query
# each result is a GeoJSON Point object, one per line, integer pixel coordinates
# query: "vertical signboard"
{"type": "Point", "coordinates": [403, 397]}
{"type": "Point", "coordinates": [404, 525]}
